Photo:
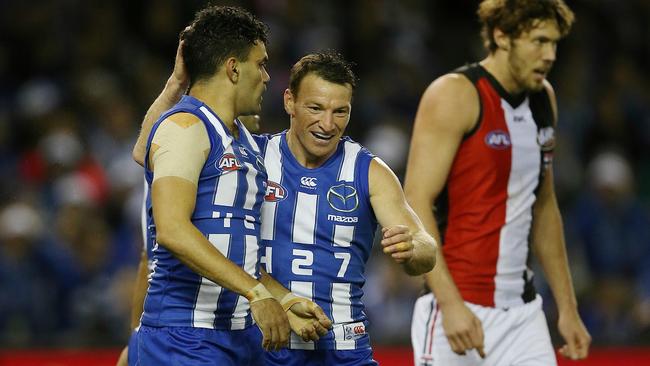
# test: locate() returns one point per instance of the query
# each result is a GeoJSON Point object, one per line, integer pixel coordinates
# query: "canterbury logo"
{"type": "Point", "coordinates": [308, 181]}
{"type": "Point", "coordinates": [343, 198]}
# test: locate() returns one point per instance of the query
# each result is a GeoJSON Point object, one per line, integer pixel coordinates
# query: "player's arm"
{"type": "Point", "coordinates": [306, 318]}
{"type": "Point", "coordinates": [550, 248]}
{"type": "Point", "coordinates": [137, 303]}
{"type": "Point", "coordinates": [448, 109]}
{"type": "Point", "coordinates": [177, 155]}
{"type": "Point", "coordinates": [175, 87]}
{"type": "Point", "coordinates": [403, 236]}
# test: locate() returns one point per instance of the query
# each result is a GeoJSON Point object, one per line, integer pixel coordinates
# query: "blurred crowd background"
{"type": "Point", "coordinates": [76, 78]}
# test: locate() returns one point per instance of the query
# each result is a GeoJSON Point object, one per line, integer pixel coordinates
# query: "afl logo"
{"type": "Point", "coordinates": [498, 140]}
{"type": "Point", "coordinates": [274, 192]}
{"type": "Point", "coordinates": [343, 198]}
{"type": "Point", "coordinates": [229, 162]}
{"type": "Point", "coordinates": [546, 138]}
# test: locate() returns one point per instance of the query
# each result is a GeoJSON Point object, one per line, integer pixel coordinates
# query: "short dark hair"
{"type": "Point", "coordinates": [329, 65]}
{"type": "Point", "coordinates": [514, 17]}
{"type": "Point", "coordinates": [217, 33]}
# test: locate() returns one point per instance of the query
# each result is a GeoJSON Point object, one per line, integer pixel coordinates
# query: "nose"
{"type": "Point", "coordinates": [549, 51]}
{"type": "Point", "coordinates": [265, 76]}
{"type": "Point", "coordinates": [327, 122]}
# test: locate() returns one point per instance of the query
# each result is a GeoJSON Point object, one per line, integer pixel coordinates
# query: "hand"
{"type": "Point", "coordinates": [575, 334]}
{"type": "Point", "coordinates": [180, 75]}
{"type": "Point", "coordinates": [273, 323]}
{"type": "Point", "coordinates": [463, 329]}
{"type": "Point", "coordinates": [398, 242]}
{"type": "Point", "coordinates": [308, 320]}
{"type": "Point", "coordinates": [123, 360]}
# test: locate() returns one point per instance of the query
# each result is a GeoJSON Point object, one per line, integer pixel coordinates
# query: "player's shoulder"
{"type": "Point", "coordinates": [263, 139]}
{"type": "Point", "coordinates": [353, 146]}
{"type": "Point", "coordinates": [182, 119]}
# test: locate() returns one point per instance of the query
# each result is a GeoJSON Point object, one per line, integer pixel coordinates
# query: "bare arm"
{"type": "Point", "coordinates": [448, 109]}
{"type": "Point", "coordinates": [140, 290]}
{"type": "Point", "coordinates": [404, 237]}
{"type": "Point", "coordinates": [550, 248]}
{"type": "Point", "coordinates": [175, 87]}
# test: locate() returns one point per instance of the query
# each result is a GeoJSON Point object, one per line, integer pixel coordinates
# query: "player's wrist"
{"type": "Point", "coordinates": [257, 293]}
{"type": "Point", "coordinates": [289, 300]}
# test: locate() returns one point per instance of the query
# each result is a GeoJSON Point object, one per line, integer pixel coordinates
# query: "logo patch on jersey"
{"type": "Point", "coordinates": [343, 198]}
{"type": "Point", "coordinates": [243, 151]}
{"type": "Point", "coordinates": [498, 140]}
{"type": "Point", "coordinates": [275, 192]}
{"type": "Point", "coordinates": [228, 163]}
{"type": "Point", "coordinates": [309, 182]}
{"type": "Point", "coordinates": [260, 163]}
{"type": "Point", "coordinates": [353, 331]}
{"type": "Point", "coordinates": [337, 218]}
{"type": "Point", "coordinates": [546, 138]}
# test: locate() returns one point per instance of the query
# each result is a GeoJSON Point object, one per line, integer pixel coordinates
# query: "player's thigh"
{"type": "Point", "coordinates": [285, 357]}
{"type": "Point", "coordinates": [132, 355]}
{"type": "Point", "coordinates": [422, 328]}
{"type": "Point", "coordinates": [534, 344]}
{"type": "Point", "coordinates": [198, 346]}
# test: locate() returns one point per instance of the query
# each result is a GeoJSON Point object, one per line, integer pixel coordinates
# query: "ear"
{"type": "Point", "coordinates": [501, 39]}
{"type": "Point", "coordinates": [232, 69]}
{"type": "Point", "coordinates": [289, 106]}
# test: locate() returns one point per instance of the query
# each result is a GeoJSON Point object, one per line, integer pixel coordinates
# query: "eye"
{"type": "Point", "coordinates": [313, 108]}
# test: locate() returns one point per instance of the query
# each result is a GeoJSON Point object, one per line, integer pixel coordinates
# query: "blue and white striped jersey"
{"type": "Point", "coordinates": [317, 230]}
{"type": "Point", "coordinates": [230, 193]}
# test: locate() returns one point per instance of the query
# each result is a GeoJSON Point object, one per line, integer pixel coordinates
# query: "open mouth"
{"type": "Point", "coordinates": [540, 72]}
{"type": "Point", "coordinates": [322, 136]}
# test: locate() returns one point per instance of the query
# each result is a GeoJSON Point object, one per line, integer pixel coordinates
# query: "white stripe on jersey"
{"type": "Point", "coordinates": [302, 289]}
{"type": "Point", "coordinates": [143, 218]}
{"type": "Point", "coordinates": [341, 305]}
{"type": "Point", "coordinates": [304, 218]}
{"type": "Point", "coordinates": [349, 161]}
{"type": "Point", "coordinates": [241, 309]}
{"type": "Point", "coordinates": [225, 139]}
{"type": "Point", "coordinates": [208, 296]}
{"type": "Point", "coordinates": [343, 235]}
{"type": "Point", "coordinates": [523, 179]}
{"type": "Point", "coordinates": [226, 191]}
{"type": "Point", "coordinates": [273, 163]}
{"type": "Point", "coordinates": [249, 137]}
{"type": "Point", "coordinates": [251, 192]}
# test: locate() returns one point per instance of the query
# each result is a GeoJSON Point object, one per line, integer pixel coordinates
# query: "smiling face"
{"type": "Point", "coordinates": [319, 115]}
{"type": "Point", "coordinates": [532, 54]}
{"type": "Point", "coordinates": [253, 78]}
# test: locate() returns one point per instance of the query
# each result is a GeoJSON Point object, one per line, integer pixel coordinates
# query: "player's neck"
{"type": "Point", "coordinates": [497, 64]}
{"type": "Point", "coordinates": [302, 156]}
{"type": "Point", "coordinates": [221, 102]}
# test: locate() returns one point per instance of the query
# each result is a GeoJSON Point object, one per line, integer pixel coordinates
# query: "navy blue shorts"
{"type": "Point", "coordinates": [199, 346]}
{"type": "Point", "coordinates": [298, 357]}
{"type": "Point", "coordinates": [132, 356]}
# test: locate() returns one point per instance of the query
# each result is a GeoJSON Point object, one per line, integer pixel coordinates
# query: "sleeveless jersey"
{"type": "Point", "coordinates": [486, 209]}
{"type": "Point", "coordinates": [230, 193]}
{"type": "Point", "coordinates": [317, 230]}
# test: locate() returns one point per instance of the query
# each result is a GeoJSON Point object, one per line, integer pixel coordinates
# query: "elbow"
{"type": "Point", "coordinates": [137, 156]}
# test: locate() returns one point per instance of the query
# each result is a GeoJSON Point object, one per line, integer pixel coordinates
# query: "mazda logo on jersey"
{"type": "Point", "coordinates": [498, 140]}
{"type": "Point", "coordinates": [275, 192]}
{"type": "Point", "coordinates": [546, 138]}
{"type": "Point", "coordinates": [228, 162]}
{"type": "Point", "coordinates": [343, 197]}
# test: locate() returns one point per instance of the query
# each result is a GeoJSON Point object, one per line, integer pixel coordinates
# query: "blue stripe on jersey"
{"type": "Point", "coordinates": [230, 193]}
{"type": "Point", "coordinates": [320, 233]}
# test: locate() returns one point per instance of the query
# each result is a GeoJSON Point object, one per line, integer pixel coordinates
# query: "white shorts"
{"type": "Point", "coordinates": [517, 336]}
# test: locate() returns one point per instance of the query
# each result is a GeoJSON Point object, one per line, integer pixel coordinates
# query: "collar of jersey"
{"type": "Point", "coordinates": [288, 155]}
{"type": "Point", "coordinates": [197, 102]}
